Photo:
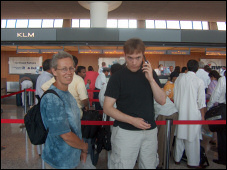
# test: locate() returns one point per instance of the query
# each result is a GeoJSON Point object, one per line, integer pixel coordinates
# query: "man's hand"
{"type": "Point", "coordinates": [147, 69]}
{"type": "Point", "coordinates": [140, 123]}
{"type": "Point", "coordinates": [88, 81]}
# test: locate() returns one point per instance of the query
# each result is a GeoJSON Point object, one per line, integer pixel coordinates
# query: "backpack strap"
{"type": "Point", "coordinates": [50, 91]}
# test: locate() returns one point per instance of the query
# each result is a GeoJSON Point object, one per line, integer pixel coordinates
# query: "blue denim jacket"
{"type": "Point", "coordinates": [60, 115]}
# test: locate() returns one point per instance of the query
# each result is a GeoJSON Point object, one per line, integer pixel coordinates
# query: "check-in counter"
{"type": "Point", "coordinates": [163, 79]}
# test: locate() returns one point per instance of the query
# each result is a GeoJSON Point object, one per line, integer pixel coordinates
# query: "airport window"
{"type": "Point", "coordinates": [75, 23]}
{"type": "Point", "coordinates": [197, 25]}
{"type": "Point", "coordinates": [48, 23]}
{"type": "Point", "coordinates": [149, 23]}
{"type": "Point", "coordinates": [221, 25]}
{"type": "Point", "coordinates": [173, 25]}
{"type": "Point", "coordinates": [205, 25]}
{"type": "Point", "coordinates": [21, 23]}
{"type": "Point", "coordinates": [122, 23]}
{"type": "Point", "coordinates": [132, 23]}
{"type": "Point", "coordinates": [34, 23]}
{"type": "Point", "coordinates": [160, 24]}
{"type": "Point", "coordinates": [11, 23]}
{"type": "Point", "coordinates": [3, 23]}
{"type": "Point", "coordinates": [186, 24]}
{"type": "Point", "coordinates": [85, 23]}
{"type": "Point", "coordinates": [58, 23]}
{"type": "Point", "coordinates": [111, 23]}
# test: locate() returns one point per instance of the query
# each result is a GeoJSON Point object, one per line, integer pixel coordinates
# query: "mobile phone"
{"type": "Point", "coordinates": [145, 60]}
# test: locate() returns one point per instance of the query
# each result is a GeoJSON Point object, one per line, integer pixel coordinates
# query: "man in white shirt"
{"type": "Point", "coordinates": [100, 81]}
{"type": "Point", "coordinates": [103, 66]}
{"type": "Point", "coordinates": [159, 70]}
{"type": "Point", "coordinates": [202, 74]}
{"type": "Point", "coordinates": [189, 98]}
{"type": "Point", "coordinates": [44, 77]}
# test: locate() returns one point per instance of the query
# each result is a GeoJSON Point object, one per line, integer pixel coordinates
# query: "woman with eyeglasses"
{"type": "Point", "coordinates": [64, 146]}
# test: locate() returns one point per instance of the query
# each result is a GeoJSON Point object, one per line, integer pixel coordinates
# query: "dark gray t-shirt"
{"type": "Point", "coordinates": [133, 95]}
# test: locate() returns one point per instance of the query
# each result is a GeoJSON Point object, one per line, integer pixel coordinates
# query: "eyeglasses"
{"type": "Point", "coordinates": [65, 69]}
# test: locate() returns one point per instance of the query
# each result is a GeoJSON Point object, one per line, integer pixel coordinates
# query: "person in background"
{"type": "Point", "coordinates": [202, 74]}
{"type": "Point", "coordinates": [133, 89]}
{"type": "Point", "coordinates": [92, 76]}
{"type": "Point", "coordinates": [219, 95]}
{"type": "Point", "coordinates": [169, 86]}
{"type": "Point", "coordinates": [81, 71]}
{"type": "Point", "coordinates": [189, 99]}
{"type": "Point", "coordinates": [64, 147]}
{"type": "Point", "coordinates": [76, 88]}
{"type": "Point", "coordinates": [171, 69]}
{"type": "Point", "coordinates": [207, 68]}
{"type": "Point", "coordinates": [222, 71]}
{"type": "Point", "coordinates": [45, 76]}
{"type": "Point", "coordinates": [163, 112]}
{"type": "Point", "coordinates": [103, 66]}
{"type": "Point", "coordinates": [159, 70]}
{"type": "Point", "coordinates": [214, 76]}
{"type": "Point", "coordinates": [100, 81]}
{"type": "Point", "coordinates": [114, 68]}
{"type": "Point", "coordinates": [25, 83]}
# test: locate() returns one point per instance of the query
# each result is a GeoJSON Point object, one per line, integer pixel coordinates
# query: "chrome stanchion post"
{"type": "Point", "coordinates": [25, 101]}
{"type": "Point", "coordinates": [169, 123]}
{"type": "Point", "coordinates": [30, 96]}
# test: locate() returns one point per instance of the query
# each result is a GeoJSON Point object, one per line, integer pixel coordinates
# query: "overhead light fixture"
{"type": "Point", "coordinates": [28, 51]}
{"type": "Point", "coordinates": [155, 52]}
{"type": "Point", "coordinates": [178, 52]}
{"type": "Point", "coordinates": [51, 50]}
{"type": "Point", "coordinates": [215, 52]}
{"type": "Point", "coordinates": [93, 51]}
{"type": "Point", "coordinates": [113, 52]}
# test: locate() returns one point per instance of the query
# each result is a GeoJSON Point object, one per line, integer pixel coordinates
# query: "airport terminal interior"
{"type": "Point", "coordinates": [95, 31]}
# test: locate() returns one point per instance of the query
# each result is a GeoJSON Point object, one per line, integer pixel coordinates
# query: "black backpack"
{"type": "Point", "coordinates": [34, 124]}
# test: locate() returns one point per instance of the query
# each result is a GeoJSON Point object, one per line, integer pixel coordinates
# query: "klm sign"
{"type": "Point", "coordinates": [33, 34]}
{"type": "Point", "coordinates": [25, 35]}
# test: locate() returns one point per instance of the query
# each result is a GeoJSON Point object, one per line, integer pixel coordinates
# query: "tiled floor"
{"type": "Point", "coordinates": [18, 153]}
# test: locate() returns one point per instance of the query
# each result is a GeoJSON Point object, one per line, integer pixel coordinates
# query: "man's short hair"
{"type": "Point", "coordinates": [183, 69]}
{"type": "Point", "coordinates": [79, 68]}
{"type": "Point", "coordinates": [134, 45]}
{"type": "Point", "coordinates": [115, 67]}
{"type": "Point", "coordinates": [75, 60]}
{"type": "Point", "coordinates": [90, 68]}
{"type": "Point", "coordinates": [47, 65]}
{"type": "Point", "coordinates": [173, 74]}
{"type": "Point", "coordinates": [193, 65]}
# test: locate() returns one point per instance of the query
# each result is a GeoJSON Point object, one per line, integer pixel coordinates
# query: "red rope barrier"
{"type": "Point", "coordinates": [12, 94]}
{"type": "Point", "coordinates": [93, 100]}
{"type": "Point", "coordinates": [175, 122]}
{"type": "Point", "coordinates": [31, 90]}
{"type": "Point", "coordinates": [89, 90]}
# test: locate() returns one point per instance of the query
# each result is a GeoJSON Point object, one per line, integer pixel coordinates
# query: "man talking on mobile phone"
{"type": "Point", "coordinates": [134, 131]}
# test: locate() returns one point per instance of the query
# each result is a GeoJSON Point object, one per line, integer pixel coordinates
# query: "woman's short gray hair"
{"type": "Point", "coordinates": [60, 55]}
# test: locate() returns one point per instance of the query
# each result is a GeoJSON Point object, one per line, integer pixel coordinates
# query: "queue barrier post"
{"type": "Point", "coordinates": [25, 101]}
{"type": "Point", "coordinates": [31, 98]}
{"type": "Point", "coordinates": [169, 123]}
